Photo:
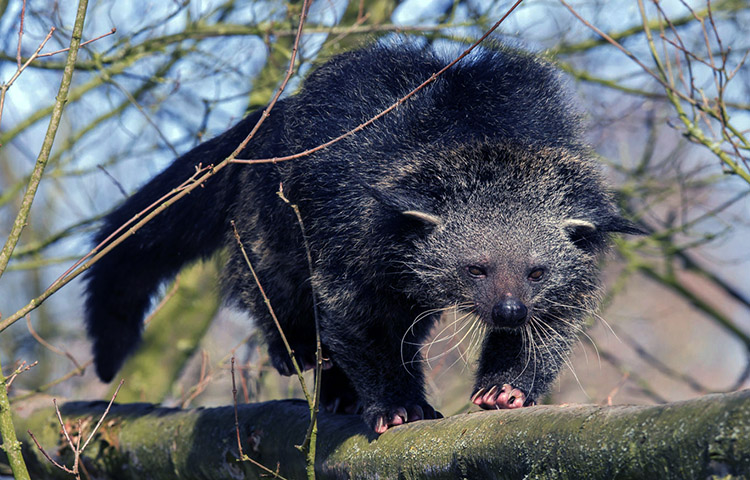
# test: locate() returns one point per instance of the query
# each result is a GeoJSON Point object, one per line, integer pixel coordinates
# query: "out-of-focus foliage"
{"type": "Point", "coordinates": [671, 128]}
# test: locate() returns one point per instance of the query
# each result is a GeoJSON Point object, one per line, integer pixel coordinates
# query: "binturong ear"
{"type": "Point", "coordinates": [583, 234]}
{"type": "Point", "coordinates": [592, 238]}
{"type": "Point", "coordinates": [406, 215]}
{"type": "Point", "coordinates": [410, 207]}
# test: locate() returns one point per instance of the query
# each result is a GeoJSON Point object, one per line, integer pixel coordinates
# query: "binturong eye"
{"type": "Point", "coordinates": [476, 271]}
{"type": "Point", "coordinates": [537, 274]}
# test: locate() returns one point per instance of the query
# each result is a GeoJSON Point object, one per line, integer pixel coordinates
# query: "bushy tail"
{"type": "Point", "coordinates": [120, 285]}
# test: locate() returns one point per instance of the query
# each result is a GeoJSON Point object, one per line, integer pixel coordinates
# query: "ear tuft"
{"type": "Point", "coordinates": [424, 217]}
{"type": "Point", "coordinates": [622, 225]}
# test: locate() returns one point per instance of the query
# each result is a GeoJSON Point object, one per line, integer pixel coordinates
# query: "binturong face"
{"type": "Point", "coordinates": [515, 240]}
{"type": "Point", "coordinates": [506, 269]}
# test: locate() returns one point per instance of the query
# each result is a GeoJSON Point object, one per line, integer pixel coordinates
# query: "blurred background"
{"type": "Point", "coordinates": [667, 107]}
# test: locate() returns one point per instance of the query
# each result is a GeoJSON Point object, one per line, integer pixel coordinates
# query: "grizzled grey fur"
{"type": "Point", "coordinates": [478, 194]}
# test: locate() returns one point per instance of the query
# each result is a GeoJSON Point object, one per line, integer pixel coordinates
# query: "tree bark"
{"type": "Point", "coordinates": [700, 438]}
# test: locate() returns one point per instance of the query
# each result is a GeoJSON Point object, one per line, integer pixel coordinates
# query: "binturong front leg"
{"type": "Point", "coordinates": [514, 371]}
{"type": "Point", "coordinates": [390, 391]}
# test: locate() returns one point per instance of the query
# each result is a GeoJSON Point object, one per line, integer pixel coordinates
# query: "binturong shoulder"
{"type": "Point", "coordinates": [495, 92]}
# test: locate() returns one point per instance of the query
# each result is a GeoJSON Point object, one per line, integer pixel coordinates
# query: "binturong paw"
{"type": "Point", "coordinates": [381, 420]}
{"type": "Point", "coordinates": [497, 397]}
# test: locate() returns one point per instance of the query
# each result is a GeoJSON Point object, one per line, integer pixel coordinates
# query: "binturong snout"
{"type": "Point", "coordinates": [509, 313]}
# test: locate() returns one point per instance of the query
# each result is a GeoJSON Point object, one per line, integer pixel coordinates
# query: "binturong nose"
{"type": "Point", "coordinates": [510, 312]}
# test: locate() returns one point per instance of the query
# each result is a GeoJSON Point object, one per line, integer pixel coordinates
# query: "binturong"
{"type": "Point", "coordinates": [476, 195]}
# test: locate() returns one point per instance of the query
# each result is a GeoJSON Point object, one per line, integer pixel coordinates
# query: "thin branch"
{"type": "Point", "coordinates": [62, 425]}
{"type": "Point", "coordinates": [660, 366]}
{"type": "Point", "coordinates": [23, 367]}
{"type": "Point", "coordinates": [244, 457]}
{"type": "Point", "coordinates": [22, 217]}
{"type": "Point", "coordinates": [11, 445]}
{"type": "Point", "coordinates": [271, 311]}
{"type": "Point", "coordinates": [308, 444]}
{"type": "Point", "coordinates": [171, 293]}
{"type": "Point", "coordinates": [46, 455]}
{"type": "Point", "coordinates": [236, 416]}
{"type": "Point", "coordinates": [43, 388]}
{"type": "Point", "coordinates": [111, 32]}
{"type": "Point", "coordinates": [395, 105]}
{"type": "Point", "coordinates": [5, 86]}
{"type": "Point", "coordinates": [675, 96]}
{"type": "Point", "coordinates": [76, 448]}
{"type": "Point", "coordinates": [48, 345]}
{"type": "Point", "coordinates": [20, 35]}
{"type": "Point", "coordinates": [101, 419]}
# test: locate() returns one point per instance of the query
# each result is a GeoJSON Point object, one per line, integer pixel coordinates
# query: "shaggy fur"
{"type": "Point", "coordinates": [475, 195]}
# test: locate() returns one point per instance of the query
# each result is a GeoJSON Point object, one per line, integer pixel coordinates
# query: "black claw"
{"type": "Point", "coordinates": [401, 412]}
{"type": "Point", "coordinates": [430, 413]}
{"type": "Point", "coordinates": [416, 413]}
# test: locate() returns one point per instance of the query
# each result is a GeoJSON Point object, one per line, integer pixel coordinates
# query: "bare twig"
{"type": "Point", "coordinates": [243, 456]}
{"type": "Point", "coordinates": [23, 367]}
{"type": "Point", "coordinates": [271, 311]}
{"type": "Point", "coordinates": [101, 419]}
{"type": "Point", "coordinates": [76, 447]}
{"type": "Point", "coordinates": [11, 445]}
{"type": "Point", "coordinates": [236, 416]}
{"type": "Point", "coordinates": [616, 389]}
{"type": "Point", "coordinates": [111, 32]}
{"type": "Point", "coordinates": [20, 35]}
{"type": "Point", "coordinates": [639, 381]}
{"type": "Point", "coordinates": [46, 455]}
{"type": "Point", "coordinates": [204, 379]}
{"type": "Point", "coordinates": [48, 345]}
{"type": "Point", "coordinates": [122, 233]}
{"type": "Point", "coordinates": [664, 75]}
{"type": "Point", "coordinates": [654, 362]}
{"type": "Point", "coordinates": [21, 219]}
{"type": "Point", "coordinates": [167, 297]}
{"type": "Point", "coordinates": [5, 86]}
{"type": "Point", "coordinates": [114, 180]}
{"type": "Point", "coordinates": [78, 371]}
{"type": "Point", "coordinates": [62, 424]}
{"type": "Point", "coordinates": [104, 247]}
{"type": "Point", "coordinates": [308, 444]}
{"type": "Point", "coordinates": [395, 105]}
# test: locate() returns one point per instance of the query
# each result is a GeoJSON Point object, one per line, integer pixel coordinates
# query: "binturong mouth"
{"type": "Point", "coordinates": [509, 313]}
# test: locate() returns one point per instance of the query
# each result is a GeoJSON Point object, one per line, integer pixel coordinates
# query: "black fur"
{"type": "Point", "coordinates": [482, 172]}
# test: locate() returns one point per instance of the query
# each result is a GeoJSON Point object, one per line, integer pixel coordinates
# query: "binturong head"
{"type": "Point", "coordinates": [511, 234]}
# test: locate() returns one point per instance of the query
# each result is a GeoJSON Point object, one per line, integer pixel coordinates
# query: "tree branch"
{"type": "Point", "coordinates": [693, 439]}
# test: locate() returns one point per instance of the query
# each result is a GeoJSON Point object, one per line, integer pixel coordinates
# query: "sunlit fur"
{"type": "Point", "coordinates": [485, 165]}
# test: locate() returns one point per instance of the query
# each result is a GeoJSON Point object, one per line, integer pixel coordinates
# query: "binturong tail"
{"type": "Point", "coordinates": [120, 285]}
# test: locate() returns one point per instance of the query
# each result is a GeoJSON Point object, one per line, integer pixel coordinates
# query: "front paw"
{"type": "Point", "coordinates": [381, 419]}
{"type": "Point", "coordinates": [501, 397]}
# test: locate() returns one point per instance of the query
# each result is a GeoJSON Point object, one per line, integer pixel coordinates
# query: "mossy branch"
{"type": "Point", "coordinates": [10, 445]}
{"type": "Point", "coordinates": [693, 439]}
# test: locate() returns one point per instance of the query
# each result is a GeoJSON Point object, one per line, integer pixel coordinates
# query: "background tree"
{"type": "Point", "coordinates": [664, 86]}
